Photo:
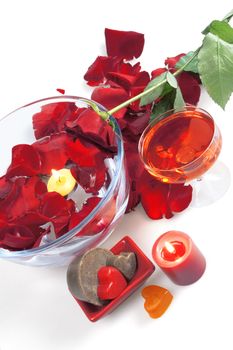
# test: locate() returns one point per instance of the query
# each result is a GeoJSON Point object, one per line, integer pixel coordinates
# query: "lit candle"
{"type": "Point", "coordinates": [61, 182]}
{"type": "Point", "coordinates": [179, 258]}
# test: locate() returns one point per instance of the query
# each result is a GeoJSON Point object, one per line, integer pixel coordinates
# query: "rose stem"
{"type": "Point", "coordinates": [145, 92]}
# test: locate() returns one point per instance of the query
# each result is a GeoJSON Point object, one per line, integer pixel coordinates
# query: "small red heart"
{"type": "Point", "coordinates": [111, 283]}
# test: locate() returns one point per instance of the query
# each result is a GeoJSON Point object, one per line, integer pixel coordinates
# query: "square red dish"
{"type": "Point", "coordinates": [144, 269]}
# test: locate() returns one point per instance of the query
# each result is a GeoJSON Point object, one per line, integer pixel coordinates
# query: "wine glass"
{"type": "Point", "coordinates": [180, 146]}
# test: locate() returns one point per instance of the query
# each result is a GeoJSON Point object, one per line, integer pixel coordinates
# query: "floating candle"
{"type": "Point", "coordinates": [61, 182]}
{"type": "Point", "coordinates": [176, 254]}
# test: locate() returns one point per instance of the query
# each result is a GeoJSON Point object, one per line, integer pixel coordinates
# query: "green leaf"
{"type": "Point", "coordinates": [171, 80]}
{"type": "Point", "coordinates": [162, 106]}
{"type": "Point", "coordinates": [156, 86]}
{"type": "Point", "coordinates": [228, 16]}
{"type": "Point", "coordinates": [166, 90]}
{"type": "Point", "coordinates": [206, 30]}
{"type": "Point", "coordinates": [221, 29]}
{"type": "Point", "coordinates": [192, 66]}
{"type": "Point", "coordinates": [216, 68]}
{"type": "Point", "coordinates": [179, 101]}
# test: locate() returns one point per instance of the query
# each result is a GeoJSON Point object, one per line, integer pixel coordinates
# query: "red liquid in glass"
{"type": "Point", "coordinates": [181, 146]}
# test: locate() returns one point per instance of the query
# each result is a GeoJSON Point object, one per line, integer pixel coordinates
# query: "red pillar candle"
{"type": "Point", "coordinates": [179, 258]}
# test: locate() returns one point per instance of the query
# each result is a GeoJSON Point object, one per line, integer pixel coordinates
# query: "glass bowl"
{"type": "Point", "coordinates": [16, 128]}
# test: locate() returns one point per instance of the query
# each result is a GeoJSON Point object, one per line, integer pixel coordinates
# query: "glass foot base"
{"type": "Point", "coordinates": [212, 186]}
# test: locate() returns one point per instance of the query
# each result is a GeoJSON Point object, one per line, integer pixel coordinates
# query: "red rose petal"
{"type": "Point", "coordinates": [5, 187]}
{"type": "Point", "coordinates": [190, 87]}
{"type": "Point", "coordinates": [172, 61]}
{"type": "Point", "coordinates": [180, 197]}
{"type": "Point", "coordinates": [128, 68]}
{"type": "Point", "coordinates": [52, 151]}
{"type": "Point", "coordinates": [154, 201]}
{"type": "Point", "coordinates": [92, 127]}
{"type": "Point", "coordinates": [82, 153]}
{"type": "Point", "coordinates": [90, 179]}
{"type": "Point", "coordinates": [111, 97]}
{"type": "Point", "coordinates": [96, 73]}
{"type": "Point", "coordinates": [33, 220]}
{"type": "Point", "coordinates": [77, 217]}
{"type": "Point", "coordinates": [16, 237]}
{"type": "Point", "coordinates": [142, 80]}
{"type": "Point", "coordinates": [135, 123]}
{"type": "Point", "coordinates": [61, 91]}
{"type": "Point", "coordinates": [155, 73]}
{"type": "Point", "coordinates": [124, 44]}
{"type": "Point", "coordinates": [101, 220]}
{"type": "Point", "coordinates": [37, 243]}
{"type": "Point", "coordinates": [133, 162]}
{"type": "Point", "coordinates": [25, 161]}
{"type": "Point", "coordinates": [22, 198]}
{"type": "Point", "coordinates": [53, 203]}
{"type": "Point", "coordinates": [58, 209]}
{"type": "Point", "coordinates": [135, 106]}
{"type": "Point", "coordinates": [52, 118]}
{"type": "Point", "coordinates": [159, 199]}
{"type": "Point", "coordinates": [134, 196]}
{"type": "Point", "coordinates": [122, 80]}
{"type": "Point", "coordinates": [127, 81]}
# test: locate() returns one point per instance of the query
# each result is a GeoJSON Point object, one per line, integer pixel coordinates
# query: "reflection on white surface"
{"type": "Point", "coordinates": [212, 186]}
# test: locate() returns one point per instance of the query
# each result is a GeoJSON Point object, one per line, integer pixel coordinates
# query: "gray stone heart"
{"type": "Point", "coordinates": [125, 262]}
{"type": "Point", "coordinates": [82, 277]}
{"type": "Point", "coordinates": [82, 273]}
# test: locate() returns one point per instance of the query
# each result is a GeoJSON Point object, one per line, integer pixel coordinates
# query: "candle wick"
{"type": "Point", "coordinates": [62, 179]}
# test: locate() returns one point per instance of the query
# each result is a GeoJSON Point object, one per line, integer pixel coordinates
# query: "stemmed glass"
{"type": "Point", "coordinates": [180, 146]}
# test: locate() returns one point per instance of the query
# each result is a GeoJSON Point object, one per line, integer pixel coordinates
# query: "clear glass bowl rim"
{"type": "Point", "coordinates": [167, 114]}
{"type": "Point", "coordinates": [67, 236]}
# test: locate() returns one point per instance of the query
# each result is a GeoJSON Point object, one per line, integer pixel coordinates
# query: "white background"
{"type": "Point", "coordinates": [45, 45]}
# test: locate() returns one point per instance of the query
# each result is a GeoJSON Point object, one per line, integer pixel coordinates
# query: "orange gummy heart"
{"type": "Point", "coordinates": [157, 300]}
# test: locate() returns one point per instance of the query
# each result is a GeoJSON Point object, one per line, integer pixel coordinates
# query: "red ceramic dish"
{"type": "Point", "coordinates": [144, 269]}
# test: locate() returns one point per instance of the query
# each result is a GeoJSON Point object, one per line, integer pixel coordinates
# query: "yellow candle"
{"type": "Point", "coordinates": [61, 182]}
